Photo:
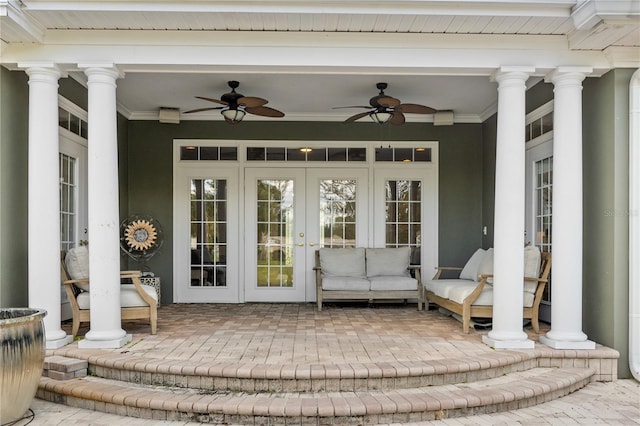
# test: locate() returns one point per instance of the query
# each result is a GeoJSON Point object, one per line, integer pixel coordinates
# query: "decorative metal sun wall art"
{"type": "Point", "coordinates": [140, 237]}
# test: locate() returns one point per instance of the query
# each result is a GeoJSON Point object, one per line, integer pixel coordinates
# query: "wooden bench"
{"type": "Point", "coordinates": [362, 286]}
{"type": "Point", "coordinates": [469, 308]}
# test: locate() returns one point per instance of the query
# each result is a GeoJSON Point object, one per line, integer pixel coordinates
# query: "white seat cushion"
{"type": "Point", "coordinates": [470, 270]}
{"type": "Point", "coordinates": [461, 291]}
{"type": "Point", "coordinates": [393, 283]}
{"type": "Point", "coordinates": [129, 297]}
{"type": "Point", "coordinates": [388, 261]}
{"type": "Point", "coordinates": [345, 283]}
{"type": "Point", "coordinates": [442, 288]}
{"type": "Point", "coordinates": [343, 262]}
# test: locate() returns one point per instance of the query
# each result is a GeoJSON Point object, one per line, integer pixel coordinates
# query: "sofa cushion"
{"type": "Point", "coordinates": [532, 260]}
{"type": "Point", "coordinates": [129, 297]}
{"type": "Point", "coordinates": [442, 288]}
{"type": "Point", "coordinates": [342, 262]}
{"type": "Point", "coordinates": [345, 283]}
{"type": "Point", "coordinates": [470, 270]}
{"type": "Point", "coordinates": [77, 263]}
{"type": "Point", "coordinates": [393, 283]}
{"type": "Point", "coordinates": [459, 293]}
{"type": "Point", "coordinates": [388, 261]}
{"type": "Point", "coordinates": [486, 266]}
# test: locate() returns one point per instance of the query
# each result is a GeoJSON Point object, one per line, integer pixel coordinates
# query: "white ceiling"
{"type": "Point", "coordinates": [33, 30]}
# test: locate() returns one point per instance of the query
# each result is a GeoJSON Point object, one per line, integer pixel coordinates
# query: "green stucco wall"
{"type": "Point", "coordinates": [14, 126]}
{"type": "Point", "coordinates": [606, 210]}
{"type": "Point", "coordinates": [150, 173]}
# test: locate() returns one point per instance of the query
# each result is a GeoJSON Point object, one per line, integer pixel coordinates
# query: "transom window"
{"type": "Point", "coordinates": [306, 154]}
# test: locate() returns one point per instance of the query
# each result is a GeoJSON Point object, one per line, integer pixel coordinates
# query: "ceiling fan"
{"type": "Point", "coordinates": [236, 105]}
{"type": "Point", "coordinates": [386, 108]}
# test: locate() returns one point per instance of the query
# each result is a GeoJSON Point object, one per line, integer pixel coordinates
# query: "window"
{"type": "Point", "coordinates": [338, 213]}
{"type": "Point", "coordinates": [209, 153]}
{"type": "Point", "coordinates": [208, 232]}
{"type": "Point", "coordinates": [307, 154]}
{"type": "Point", "coordinates": [68, 205]}
{"type": "Point", "coordinates": [403, 213]}
{"type": "Point", "coordinates": [404, 155]}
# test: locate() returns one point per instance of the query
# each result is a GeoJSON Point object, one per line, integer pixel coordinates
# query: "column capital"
{"type": "Point", "coordinates": [43, 70]}
{"type": "Point", "coordinates": [568, 73]}
{"type": "Point", "coordinates": [512, 72]}
{"type": "Point", "coordinates": [102, 68]}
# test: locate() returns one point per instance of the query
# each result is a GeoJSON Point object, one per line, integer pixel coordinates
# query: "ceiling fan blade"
{"type": "Point", "coordinates": [397, 118]}
{"type": "Point", "coordinates": [353, 106]}
{"type": "Point", "coordinates": [217, 101]}
{"type": "Point", "coordinates": [388, 102]}
{"type": "Point", "coordinates": [251, 102]}
{"type": "Point", "coordinates": [357, 117]}
{"type": "Point", "coordinates": [264, 111]}
{"type": "Point", "coordinates": [201, 109]}
{"type": "Point", "coordinates": [415, 109]}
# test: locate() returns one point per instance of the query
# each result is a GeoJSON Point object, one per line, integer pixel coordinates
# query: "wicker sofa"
{"type": "Point", "coordinates": [366, 274]}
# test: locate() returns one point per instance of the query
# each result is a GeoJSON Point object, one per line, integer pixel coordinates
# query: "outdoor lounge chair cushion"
{"type": "Point", "coordinates": [343, 262]}
{"type": "Point", "coordinates": [471, 268]}
{"type": "Point", "coordinates": [383, 282]}
{"type": "Point", "coordinates": [532, 260]}
{"type": "Point", "coordinates": [129, 297]}
{"type": "Point", "coordinates": [388, 261]}
{"type": "Point", "coordinates": [77, 264]}
{"type": "Point", "coordinates": [345, 283]}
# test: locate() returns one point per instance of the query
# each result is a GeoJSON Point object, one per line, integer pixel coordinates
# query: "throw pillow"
{"type": "Point", "coordinates": [77, 263]}
{"type": "Point", "coordinates": [470, 270]}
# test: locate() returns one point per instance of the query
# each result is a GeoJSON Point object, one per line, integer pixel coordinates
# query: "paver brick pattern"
{"type": "Point", "coordinates": [281, 334]}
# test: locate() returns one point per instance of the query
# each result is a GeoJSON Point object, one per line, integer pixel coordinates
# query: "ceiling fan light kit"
{"type": "Point", "coordinates": [233, 115]}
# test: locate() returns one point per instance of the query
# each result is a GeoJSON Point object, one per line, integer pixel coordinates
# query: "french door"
{"type": "Point", "coordinates": [289, 214]}
{"type": "Point", "coordinates": [207, 240]}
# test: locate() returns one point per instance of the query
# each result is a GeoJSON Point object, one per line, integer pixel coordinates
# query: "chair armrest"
{"type": "Point", "coordinates": [76, 281]}
{"type": "Point", "coordinates": [440, 269]}
{"type": "Point", "coordinates": [135, 279]}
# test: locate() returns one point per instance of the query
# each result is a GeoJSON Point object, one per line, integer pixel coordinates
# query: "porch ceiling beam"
{"type": "Point", "coordinates": [312, 53]}
{"type": "Point", "coordinates": [16, 25]}
{"type": "Point", "coordinates": [545, 8]}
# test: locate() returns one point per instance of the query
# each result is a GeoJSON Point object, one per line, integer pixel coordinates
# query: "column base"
{"type": "Point", "coordinates": [508, 344]}
{"type": "Point", "coordinates": [105, 344]}
{"type": "Point", "coordinates": [566, 344]}
{"type": "Point", "coordinates": [58, 343]}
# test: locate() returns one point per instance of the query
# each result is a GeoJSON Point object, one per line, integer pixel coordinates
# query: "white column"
{"type": "Point", "coordinates": [44, 201]}
{"type": "Point", "coordinates": [566, 272]}
{"type": "Point", "coordinates": [104, 249]}
{"type": "Point", "coordinates": [508, 269]}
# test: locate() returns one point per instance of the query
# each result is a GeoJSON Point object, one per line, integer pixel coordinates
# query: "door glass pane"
{"type": "Point", "coordinates": [402, 215]}
{"type": "Point", "coordinates": [68, 206]}
{"type": "Point", "coordinates": [543, 197]}
{"type": "Point", "coordinates": [338, 213]}
{"type": "Point", "coordinates": [208, 232]}
{"type": "Point", "coordinates": [274, 243]}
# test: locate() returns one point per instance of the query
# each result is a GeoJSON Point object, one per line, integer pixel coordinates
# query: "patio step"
{"type": "Point", "coordinates": [348, 377]}
{"type": "Point", "coordinates": [507, 392]}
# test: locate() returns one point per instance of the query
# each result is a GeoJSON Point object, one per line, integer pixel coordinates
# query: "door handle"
{"type": "Point", "coordinates": [300, 244]}
{"type": "Point", "coordinates": [312, 244]}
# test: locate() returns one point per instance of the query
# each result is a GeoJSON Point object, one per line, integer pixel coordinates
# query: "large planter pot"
{"type": "Point", "coordinates": [22, 353]}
